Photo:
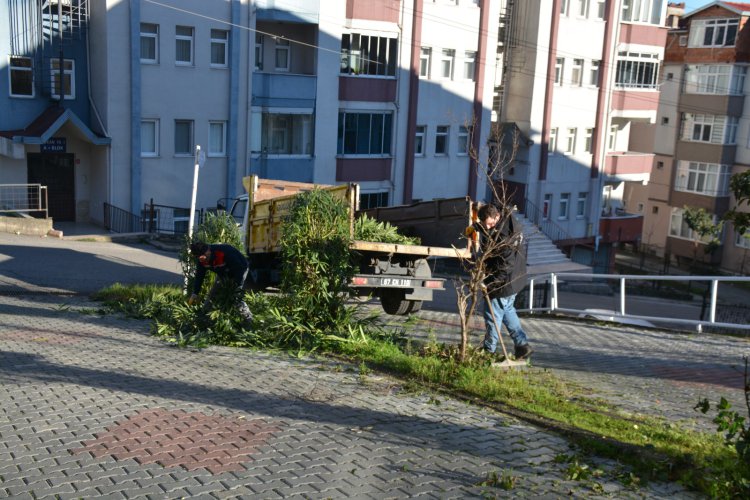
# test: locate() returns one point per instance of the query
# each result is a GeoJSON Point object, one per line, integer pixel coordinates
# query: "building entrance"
{"type": "Point", "coordinates": [56, 171]}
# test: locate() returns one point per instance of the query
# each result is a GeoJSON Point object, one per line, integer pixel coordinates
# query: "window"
{"type": "Point", "coordinates": [365, 133]}
{"type": "Point", "coordinates": [424, 62]}
{"type": "Point", "coordinates": [419, 140]}
{"type": "Point", "coordinates": [281, 54]}
{"type": "Point", "coordinates": [715, 79]}
{"type": "Point", "coordinates": [559, 67]}
{"type": "Point", "coordinates": [21, 77]}
{"type": "Point", "coordinates": [594, 73]}
{"type": "Point", "coordinates": [581, 205]}
{"type": "Point", "coordinates": [546, 206]}
{"type": "Point", "coordinates": [709, 128]}
{"type": "Point", "coordinates": [708, 179]}
{"type": "Point", "coordinates": [552, 146]}
{"type": "Point", "coordinates": [219, 48]}
{"type": "Point", "coordinates": [149, 137]}
{"type": "Point", "coordinates": [446, 63]}
{"type": "Point", "coordinates": [654, 210]}
{"type": "Point", "coordinates": [665, 120]}
{"type": "Point", "coordinates": [259, 51]}
{"type": "Point", "coordinates": [742, 240]}
{"type": "Point", "coordinates": [68, 79]}
{"type": "Point", "coordinates": [373, 200]}
{"type": "Point", "coordinates": [679, 228]}
{"type": "Point", "coordinates": [570, 141]}
{"type": "Point", "coordinates": [149, 43]}
{"type": "Point", "coordinates": [564, 7]}
{"type": "Point", "coordinates": [576, 74]}
{"type": "Point", "coordinates": [469, 65]}
{"type": "Point", "coordinates": [184, 46]}
{"type": "Point", "coordinates": [368, 55]}
{"type": "Point", "coordinates": [713, 32]}
{"type": "Point", "coordinates": [441, 140]}
{"type": "Point", "coordinates": [582, 10]}
{"type": "Point", "coordinates": [643, 11]}
{"type": "Point", "coordinates": [587, 140]}
{"type": "Point", "coordinates": [564, 202]}
{"type": "Point", "coordinates": [612, 139]}
{"type": "Point", "coordinates": [637, 70]}
{"type": "Point", "coordinates": [217, 138]}
{"type": "Point", "coordinates": [463, 141]}
{"type": "Point", "coordinates": [285, 134]}
{"type": "Point", "coordinates": [659, 165]}
{"type": "Point", "coordinates": [183, 137]}
{"type": "Point", "coordinates": [600, 8]}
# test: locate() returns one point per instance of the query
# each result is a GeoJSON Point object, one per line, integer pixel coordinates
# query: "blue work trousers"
{"type": "Point", "coordinates": [505, 313]}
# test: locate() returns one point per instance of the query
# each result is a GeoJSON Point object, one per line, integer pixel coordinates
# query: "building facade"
{"type": "Point", "coordinates": [702, 135]}
{"type": "Point", "coordinates": [580, 82]}
{"type": "Point", "coordinates": [50, 133]}
{"type": "Point", "coordinates": [394, 95]}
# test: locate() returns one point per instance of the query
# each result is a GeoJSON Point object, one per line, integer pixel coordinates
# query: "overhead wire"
{"type": "Point", "coordinates": [656, 100]}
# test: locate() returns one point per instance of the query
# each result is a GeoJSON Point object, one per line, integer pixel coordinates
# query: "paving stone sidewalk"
{"type": "Point", "coordinates": [93, 406]}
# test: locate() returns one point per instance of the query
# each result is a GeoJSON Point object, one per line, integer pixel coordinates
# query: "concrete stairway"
{"type": "Point", "coordinates": [543, 256]}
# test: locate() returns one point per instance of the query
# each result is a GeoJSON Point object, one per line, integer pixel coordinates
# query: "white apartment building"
{"type": "Point", "coordinates": [581, 84]}
{"type": "Point", "coordinates": [391, 94]}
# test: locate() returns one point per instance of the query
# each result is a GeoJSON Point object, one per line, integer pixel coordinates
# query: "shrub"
{"type": "Point", "coordinates": [369, 229]}
{"type": "Point", "coordinates": [316, 273]}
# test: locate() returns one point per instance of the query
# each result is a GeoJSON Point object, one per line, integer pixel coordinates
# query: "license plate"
{"type": "Point", "coordinates": [397, 282]}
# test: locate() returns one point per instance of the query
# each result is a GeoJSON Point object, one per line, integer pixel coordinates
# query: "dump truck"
{"type": "Point", "coordinates": [398, 274]}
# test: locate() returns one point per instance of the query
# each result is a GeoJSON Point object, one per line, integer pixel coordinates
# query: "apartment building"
{"type": "Point", "coordinates": [394, 95]}
{"type": "Point", "coordinates": [580, 83]}
{"type": "Point", "coordinates": [702, 134]}
{"type": "Point", "coordinates": [49, 131]}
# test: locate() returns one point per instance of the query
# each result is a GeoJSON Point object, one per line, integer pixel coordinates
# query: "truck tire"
{"type": "Point", "coordinates": [394, 303]}
{"type": "Point", "coordinates": [414, 306]}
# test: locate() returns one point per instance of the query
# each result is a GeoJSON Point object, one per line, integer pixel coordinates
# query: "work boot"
{"type": "Point", "coordinates": [523, 351]}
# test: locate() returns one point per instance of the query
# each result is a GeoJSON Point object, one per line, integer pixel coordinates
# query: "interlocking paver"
{"type": "Point", "coordinates": [71, 382]}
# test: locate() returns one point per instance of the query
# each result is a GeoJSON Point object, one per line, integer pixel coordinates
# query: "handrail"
{"type": "Point", "coordinates": [23, 198]}
{"type": "Point", "coordinates": [548, 228]}
{"type": "Point", "coordinates": [709, 300]}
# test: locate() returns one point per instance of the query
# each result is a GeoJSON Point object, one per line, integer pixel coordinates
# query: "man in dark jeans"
{"type": "Point", "coordinates": [229, 264]}
{"type": "Point", "coordinates": [505, 277]}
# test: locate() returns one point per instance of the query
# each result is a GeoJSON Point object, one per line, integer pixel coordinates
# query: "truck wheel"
{"type": "Point", "coordinates": [393, 302]}
{"type": "Point", "coordinates": [414, 306]}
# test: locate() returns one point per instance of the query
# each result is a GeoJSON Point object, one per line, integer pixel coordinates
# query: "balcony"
{"type": "Point", "coordinates": [621, 227]}
{"type": "Point", "coordinates": [293, 11]}
{"type": "Point", "coordinates": [628, 166]}
{"type": "Point", "coordinates": [635, 104]}
{"type": "Point", "coordinates": [284, 90]}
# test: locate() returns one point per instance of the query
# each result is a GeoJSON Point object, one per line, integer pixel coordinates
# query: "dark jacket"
{"type": "Point", "coordinates": [506, 270]}
{"type": "Point", "coordinates": [226, 261]}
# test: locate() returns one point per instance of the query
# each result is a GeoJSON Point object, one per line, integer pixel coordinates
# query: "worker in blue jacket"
{"type": "Point", "coordinates": [228, 264]}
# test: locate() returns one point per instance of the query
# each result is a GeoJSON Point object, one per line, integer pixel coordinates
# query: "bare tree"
{"type": "Point", "coordinates": [469, 286]}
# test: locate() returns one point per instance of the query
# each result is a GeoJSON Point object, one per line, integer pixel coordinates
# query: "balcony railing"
{"type": "Point", "coordinates": [621, 227]}
{"type": "Point", "coordinates": [630, 165]}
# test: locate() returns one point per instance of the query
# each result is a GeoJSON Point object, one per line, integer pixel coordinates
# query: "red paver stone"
{"type": "Point", "coordinates": [698, 376]}
{"type": "Point", "coordinates": [181, 439]}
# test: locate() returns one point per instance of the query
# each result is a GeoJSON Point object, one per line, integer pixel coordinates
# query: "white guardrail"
{"type": "Point", "coordinates": [569, 291]}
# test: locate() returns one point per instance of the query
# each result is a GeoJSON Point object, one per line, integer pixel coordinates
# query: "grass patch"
{"type": "Point", "coordinates": [655, 449]}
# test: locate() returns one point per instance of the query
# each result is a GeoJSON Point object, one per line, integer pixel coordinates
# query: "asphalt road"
{"type": "Point", "coordinates": [82, 267]}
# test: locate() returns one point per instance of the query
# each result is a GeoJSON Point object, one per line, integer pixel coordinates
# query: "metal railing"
{"type": "Point", "coordinates": [23, 198]}
{"type": "Point", "coordinates": [546, 226]}
{"type": "Point", "coordinates": [122, 221]}
{"type": "Point", "coordinates": [663, 300]}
